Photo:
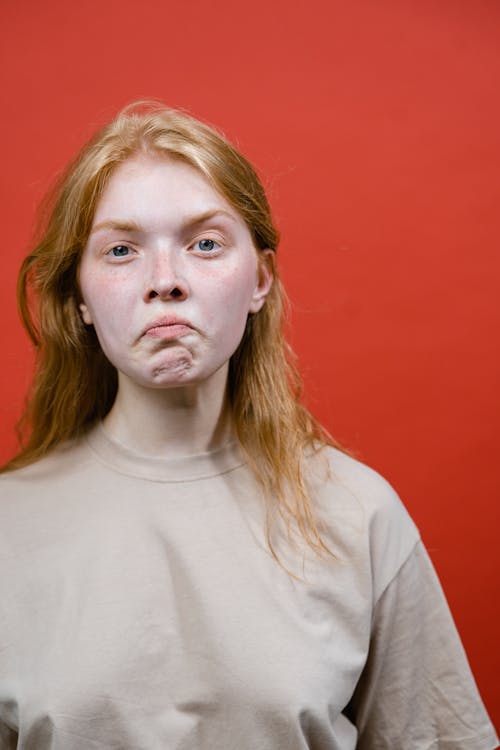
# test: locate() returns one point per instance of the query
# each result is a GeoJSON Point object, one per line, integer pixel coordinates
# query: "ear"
{"type": "Point", "coordinates": [86, 317]}
{"type": "Point", "coordinates": [265, 278]}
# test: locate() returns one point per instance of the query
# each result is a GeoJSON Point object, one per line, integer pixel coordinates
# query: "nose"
{"type": "Point", "coordinates": [166, 280]}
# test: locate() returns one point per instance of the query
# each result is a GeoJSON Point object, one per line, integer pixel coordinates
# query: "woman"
{"type": "Point", "coordinates": [186, 562]}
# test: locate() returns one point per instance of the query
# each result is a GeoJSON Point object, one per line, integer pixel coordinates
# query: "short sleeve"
{"type": "Point", "coordinates": [416, 691]}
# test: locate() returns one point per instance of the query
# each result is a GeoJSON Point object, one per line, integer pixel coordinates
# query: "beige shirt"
{"type": "Point", "coordinates": [142, 610]}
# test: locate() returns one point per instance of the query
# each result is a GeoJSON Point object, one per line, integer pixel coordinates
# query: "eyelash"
{"type": "Point", "coordinates": [195, 246]}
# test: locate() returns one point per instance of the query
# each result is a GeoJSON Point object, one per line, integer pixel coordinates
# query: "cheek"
{"type": "Point", "coordinates": [103, 303]}
{"type": "Point", "coordinates": [229, 315]}
{"type": "Point", "coordinates": [232, 292]}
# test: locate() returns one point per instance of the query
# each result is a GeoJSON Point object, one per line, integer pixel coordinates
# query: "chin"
{"type": "Point", "coordinates": [172, 376]}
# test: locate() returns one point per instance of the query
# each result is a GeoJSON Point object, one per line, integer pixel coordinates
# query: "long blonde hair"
{"type": "Point", "coordinates": [75, 385]}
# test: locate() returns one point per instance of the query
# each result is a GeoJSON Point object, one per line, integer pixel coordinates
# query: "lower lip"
{"type": "Point", "coordinates": [168, 332]}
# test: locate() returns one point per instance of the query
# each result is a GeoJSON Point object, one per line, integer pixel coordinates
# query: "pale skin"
{"type": "Point", "coordinates": [168, 278]}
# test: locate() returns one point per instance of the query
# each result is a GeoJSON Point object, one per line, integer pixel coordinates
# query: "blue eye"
{"type": "Point", "coordinates": [207, 245]}
{"type": "Point", "coordinates": [120, 251]}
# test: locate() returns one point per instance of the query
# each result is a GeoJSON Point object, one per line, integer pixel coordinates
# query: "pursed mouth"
{"type": "Point", "coordinates": [170, 329]}
{"type": "Point", "coordinates": [165, 321]}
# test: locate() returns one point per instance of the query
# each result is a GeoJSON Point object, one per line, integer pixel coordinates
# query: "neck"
{"type": "Point", "coordinates": [177, 421]}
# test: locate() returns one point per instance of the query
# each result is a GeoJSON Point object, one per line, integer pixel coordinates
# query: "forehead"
{"type": "Point", "coordinates": [144, 181]}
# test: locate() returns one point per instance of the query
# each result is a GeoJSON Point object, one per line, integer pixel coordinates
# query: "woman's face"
{"type": "Point", "coordinates": [169, 274]}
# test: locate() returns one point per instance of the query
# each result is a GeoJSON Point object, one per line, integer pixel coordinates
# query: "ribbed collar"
{"type": "Point", "coordinates": [158, 469]}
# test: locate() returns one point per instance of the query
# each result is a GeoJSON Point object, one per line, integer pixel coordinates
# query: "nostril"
{"type": "Point", "coordinates": [174, 293]}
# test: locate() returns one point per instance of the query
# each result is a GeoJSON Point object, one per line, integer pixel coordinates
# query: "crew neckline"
{"type": "Point", "coordinates": [124, 460]}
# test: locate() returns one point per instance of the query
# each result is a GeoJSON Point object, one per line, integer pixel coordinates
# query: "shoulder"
{"type": "Point", "coordinates": [363, 512]}
{"type": "Point", "coordinates": [58, 465]}
{"type": "Point", "coordinates": [359, 478]}
{"type": "Point", "coordinates": [346, 482]}
{"type": "Point", "coordinates": [41, 501]}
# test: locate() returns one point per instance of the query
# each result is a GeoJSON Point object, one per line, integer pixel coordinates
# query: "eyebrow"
{"type": "Point", "coordinates": [190, 222]}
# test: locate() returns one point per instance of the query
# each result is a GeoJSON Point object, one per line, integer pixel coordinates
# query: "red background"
{"type": "Point", "coordinates": [376, 127]}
